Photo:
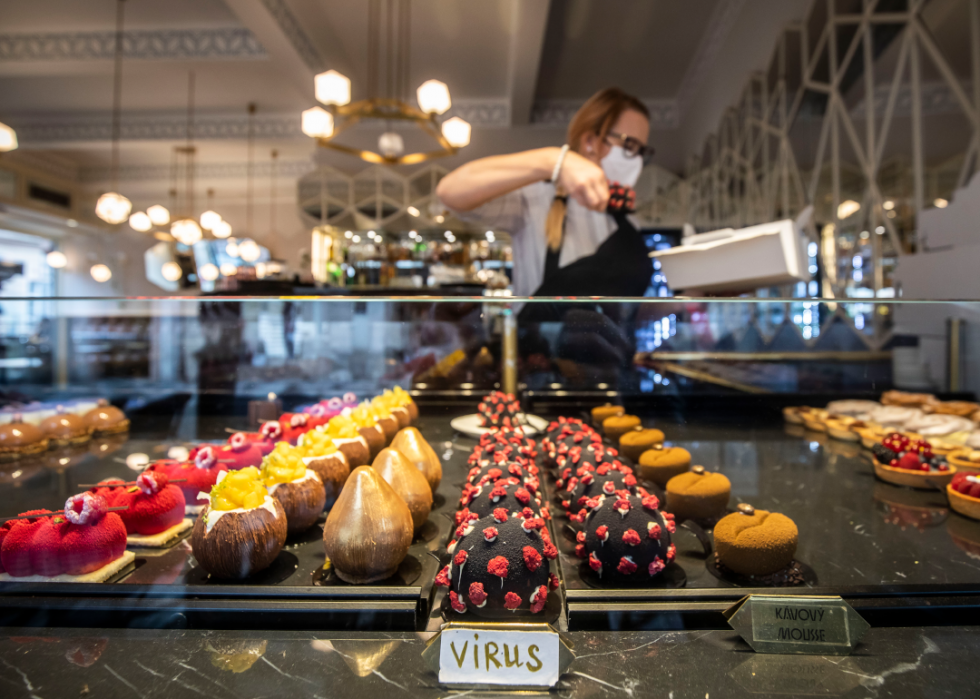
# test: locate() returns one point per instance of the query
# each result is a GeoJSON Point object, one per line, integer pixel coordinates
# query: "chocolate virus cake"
{"type": "Point", "coordinates": [591, 483]}
{"type": "Point", "coordinates": [500, 564]}
{"type": "Point", "coordinates": [627, 539]}
{"type": "Point", "coordinates": [499, 409]}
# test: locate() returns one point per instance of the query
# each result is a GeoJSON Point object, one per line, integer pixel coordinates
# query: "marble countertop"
{"type": "Point", "coordinates": [68, 663]}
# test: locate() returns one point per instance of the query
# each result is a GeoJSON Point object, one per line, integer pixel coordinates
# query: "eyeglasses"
{"type": "Point", "coordinates": [633, 146]}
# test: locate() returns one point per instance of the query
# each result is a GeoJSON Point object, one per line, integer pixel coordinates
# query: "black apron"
{"type": "Point", "coordinates": [621, 266]}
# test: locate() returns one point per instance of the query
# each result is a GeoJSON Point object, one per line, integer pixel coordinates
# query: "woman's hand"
{"type": "Point", "coordinates": [584, 181]}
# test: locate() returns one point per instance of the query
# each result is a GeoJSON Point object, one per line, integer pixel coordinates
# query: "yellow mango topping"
{"type": "Point", "coordinates": [401, 396]}
{"type": "Point", "coordinates": [380, 406]}
{"type": "Point", "coordinates": [342, 427]}
{"type": "Point", "coordinates": [364, 415]}
{"type": "Point", "coordinates": [239, 489]}
{"type": "Point", "coordinates": [282, 466]}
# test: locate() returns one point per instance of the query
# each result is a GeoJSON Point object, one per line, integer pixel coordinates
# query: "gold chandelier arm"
{"type": "Point", "coordinates": [372, 157]}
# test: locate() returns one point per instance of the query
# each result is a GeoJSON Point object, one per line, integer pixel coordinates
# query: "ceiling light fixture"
{"type": "Point", "coordinates": [140, 222]}
{"type": "Point", "coordinates": [56, 259]}
{"type": "Point", "coordinates": [228, 269]}
{"type": "Point", "coordinates": [208, 272]}
{"type": "Point", "coordinates": [847, 208]}
{"type": "Point", "coordinates": [222, 229]}
{"type": "Point", "coordinates": [112, 207]}
{"type": "Point", "coordinates": [8, 138]}
{"type": "Point", "coordinates": [171, 271]}
{"type": "Point", "coordinates": [159, 215]}
{"type": "Point", "coordinates": [186, 229]}
{"type": "Point", "coordinates": [100, 273]}
{"type": "Point", "coordinates": [334, 90]}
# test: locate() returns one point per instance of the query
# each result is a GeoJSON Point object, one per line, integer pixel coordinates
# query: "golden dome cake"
{"type": "Point", "coordinates": [633, 443]}
{"type": "Point", "coordinates": [106, 419]}
{"type": "Point", "coordinates": [65, 428]}
{"type": "Point", "coordinates": [616, 426]}
{"type": "Point", "coordinates": [601, 412]}
{"type": "Point", "coordinates": [19, 438]}
{"type": "Point", "coordinates": [698, 494]}
{"type": "Point", "coordinates": [755, 542]}
{"type": "Point", "coordinates": [661, 464]}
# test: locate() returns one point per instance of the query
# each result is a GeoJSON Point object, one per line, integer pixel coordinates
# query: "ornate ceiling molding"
{"type": "Point", "coordinates": [227, 43]}
{"type": "Point", "coordinates": [291, 27]}
{"type": "Point", "coordinates": [50, 128]}
{"type": "Point", "coordinates": [719, 26]}
{"type": "Point", "coordinates": [557, 113]}
{"type": "Point", "coordinates": [203, 171]}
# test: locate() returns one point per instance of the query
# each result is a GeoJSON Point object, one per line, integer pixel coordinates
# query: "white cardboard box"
{"type": "Point", "coordinates": [738, 260]}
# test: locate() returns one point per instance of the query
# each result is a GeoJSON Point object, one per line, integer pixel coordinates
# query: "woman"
{"type": "Point", "coordinates": [553, 202]}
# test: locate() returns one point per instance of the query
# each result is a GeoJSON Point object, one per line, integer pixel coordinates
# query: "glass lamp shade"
{"type": "Point", "coordinates": [208, 272]}
{"type": "Point", "coordinates": [228, 269]}
{"type": "Point", "coordinates": [100, 273]}
{"type": "Point", "coordinates": [317, 123]}
{"type": "Point", "coordinates": [457, 132]}
{"type": "Point", "coordinates": [113, 207]}
{"type": "Point", "coordinates": [158, 215]}
{"type": "Point", "coordinates": [222, 230]}
{"type": "Point", "coordinates": [433, 96]}
{"type": "Point", "coordinates": [249, 251]}
{"type": "Point", "coordinates": [56, 259]}
{"type": "Point", "coordinates": [186, 231]}
{"type": "Point", "coordinates": [847, 208]}
{"type": "Point", "coordinates": [391, 144]}
{"type": "Point", "coordinates": [171, 271]}
{"type": "Point", "coordinates": [140, 222]}
{"type": "Point", "coordinates": [8, 138]}
{"type": "Point", "coordinates": [210, 219]}
{"type": "Point", "coordinates": [232, 249]}
{"type": "Point", "coordinates": [332, 88]}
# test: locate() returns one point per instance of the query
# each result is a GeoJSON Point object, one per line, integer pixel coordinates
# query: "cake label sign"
{"type": "Point", "coordinates": [797, 624]}
{"type": "Point", "coordinates": [484, 656]}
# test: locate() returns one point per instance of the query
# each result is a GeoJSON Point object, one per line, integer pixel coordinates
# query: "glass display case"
{"type": "Point", "coordinates": [722, 380]}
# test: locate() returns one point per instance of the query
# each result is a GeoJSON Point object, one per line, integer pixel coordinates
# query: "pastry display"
{"type": "Point", "coordinates": [106, 419]}
{"type": "Point", "coordinates": [627, 540]}
{"type": "Point", "coordinates": [64, 428]}
{"type": "Point", "coordinates": [197, 477]}
{"type": "Point", "coordinates": [964, 494]}
{"type": "Point", "coordinates": [601, 412]}
{"type": "Point", "coordinates": [297, 488]}
{"type": "Point", "coordinates": [907, 399]}
{"type": "Point", "coordinates": [19, 438]}
{"type": "Point", "coordinates": [154, 509]}
{"type": "Point", "coordinates": [499, 566]}
{"type": "Point", "coordinates": [616, 426]}
{"type": "Point", "coordinates": [410, 442]}
{"type": "Point", "coordinates": [242, 529]}
{"type": "Point", "coordinates": [368, 530]}
{"type": "Point", "coordinates": [852, 408]}
{"type": "Point", "coordinates": [499, 409]}
{"type": "Point", "coordinates": [903, 461]}
{"type": "Point", "coordinates": [638, 440]}
{"type": "Point", "coordinates": [755, 542]}
{"type": "Point", "coordinates": [661, 464]}
{"type": "Point", "coordinates": [698, 494]}
{"type": "Point", "coordinates": [408, 482]}
{"type": "Point", "coordinates": [83, 543]}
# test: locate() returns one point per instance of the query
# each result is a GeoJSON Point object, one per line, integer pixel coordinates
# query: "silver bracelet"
{"type": "Point", "coordinates": [561, 159]}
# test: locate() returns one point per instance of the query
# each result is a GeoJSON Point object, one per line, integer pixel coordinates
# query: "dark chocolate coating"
{"type": "Point", "coordinates": [583, 490]}
{"type": "Point", "coordinates": [510, 543]}
{"type": "Point", "coordinates": [498, 409]}
{"type": "Point", "coordinates": [613, 549]}
{"type": "Point", "coordinates": [486, 471]}
{"type": "Point", "coordinates": [483, 504]}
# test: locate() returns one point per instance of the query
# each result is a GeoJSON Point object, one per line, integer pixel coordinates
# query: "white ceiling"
{"type": "Point", "coordinates": [511, 65]}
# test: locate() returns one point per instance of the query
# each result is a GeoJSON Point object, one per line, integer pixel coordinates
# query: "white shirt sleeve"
{"type": "Point", "coordinates": [508, 212]}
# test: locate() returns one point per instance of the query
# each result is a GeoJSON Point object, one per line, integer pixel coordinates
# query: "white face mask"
{"type": "Point", "coordinates": [621, 168]}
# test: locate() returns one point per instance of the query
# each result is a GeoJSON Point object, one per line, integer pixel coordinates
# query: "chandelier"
{"type": "Point", "coordinates": [112, 207]}
{"type": "Point", "coordinates": [334, 90]}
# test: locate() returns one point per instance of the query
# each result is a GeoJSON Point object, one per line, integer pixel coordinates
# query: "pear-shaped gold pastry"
{"type": "Point", "coordinates": [369, 529]}
{"type": "Point", "coordinates": [408, 482]}
{"type": "Point", "coordinates": [412, 444]}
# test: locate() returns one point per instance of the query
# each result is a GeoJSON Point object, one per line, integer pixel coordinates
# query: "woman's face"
{"type": "Point", "coordinates": [629, 123]}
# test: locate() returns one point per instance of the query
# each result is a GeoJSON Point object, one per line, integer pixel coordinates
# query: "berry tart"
{"type": "Point", "coordinates": [965, 458]}
{"type": "Point", "coordinates": [499, 409]}
{"type": "Point", "coordinates": [155, 508]}
{"type": "Point", "coordinates": [298, 489]}
{"type": "Point", "coordinates": [964, 494]}
{"type": "Point", "coordinates": [241, 530]}
{"type": "Point", "coordinates": [626, 540]}
{"type": "Point", "coordinates": [903, 461]}
{"type": "Point", "coordinates": [84, 543]}
{"type": "Point", "coordinates": [499, 566]}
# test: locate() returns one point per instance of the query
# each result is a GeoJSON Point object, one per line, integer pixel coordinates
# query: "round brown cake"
{"type": "Point", "coordinates": [616, 426]}
{"type": "Point", "coordinates": [633, 443]}
{"type": "Point", "coordinates": [601, 412]}
{"type": "Point", "coordinates": [698, 494]}
{"type": "Point", "coordinates": [755, 542]}
{"type": "Point", "coordinates": [661, 464]}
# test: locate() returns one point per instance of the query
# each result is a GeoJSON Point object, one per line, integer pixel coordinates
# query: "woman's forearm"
{"type": "Point", "coordinates": [479, 181]}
